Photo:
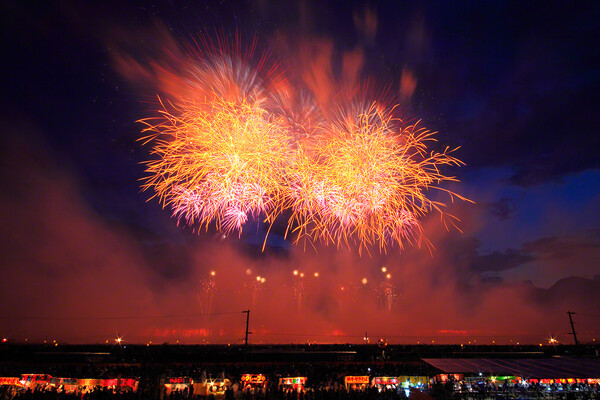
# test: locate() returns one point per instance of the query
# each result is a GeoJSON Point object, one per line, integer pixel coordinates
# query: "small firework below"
{"type": "Point", "coordinates": [388, 294]}
{"type": "Point", "coordinates": [298, 288]}
{"type": "Point", "coordinates": [208, 288]}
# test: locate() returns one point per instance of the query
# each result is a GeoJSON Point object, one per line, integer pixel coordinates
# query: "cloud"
{"type": "Point", "coordinates": [553, 248]}
{"type": "Point", "coordinates": [499, 261]}
{"type": "Point", "coordinates": [502, 209]}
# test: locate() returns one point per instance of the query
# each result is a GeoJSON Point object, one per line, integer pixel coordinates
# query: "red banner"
{"type": "Point", "coordinates": [357, 379]}
{"type": "Point", "coordinates": [384, 380]}
{"type": "Point", "coordinates": [9, 381]}
{"type": "Point", "coordinates": [253, 378]}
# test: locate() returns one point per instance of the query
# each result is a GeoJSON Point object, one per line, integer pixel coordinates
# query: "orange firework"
{"type": "Point", "coordinates": [219, 161]}
{"type": "Point", "coordinates": [363, 181]}
{"type": "Point", "coordinates": [235, 143]}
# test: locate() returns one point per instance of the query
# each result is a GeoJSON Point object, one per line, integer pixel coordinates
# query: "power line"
{"type": "Point", "coordinates": [589, 315]}
{"type": "Point", "coordinates": [115, 317]}
{"type": "Point", "coordinates": [441, 336]}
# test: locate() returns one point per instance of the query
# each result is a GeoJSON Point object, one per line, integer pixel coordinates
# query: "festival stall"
{"type": "Point", "coordinates": [65, 385]}
{"type": "Point", "coordinates": [357, 382]}
{"type": "Point", "coordinates": [31, 381]}
{"type": "Point", "coordinates": [217, 387]}
{"type": "Point", "coordinates": [10, 381]}
{"type": "Point", "coordinates": [179, 384]}
{"type": "Point", "coordinates": [443, 378]}
{"type": "Point", "coordinates": [385, 382]}
{"type": "Point", "coordinates": [129, 384]}
{"type": "Point", "coordinates": [417, 382]}
{"type": "Point", "coordinates": [570, 381]}
{"type": "Point", "coordinates": [253, 382]}
{"type": "Point", "coordinates": [293, 383]}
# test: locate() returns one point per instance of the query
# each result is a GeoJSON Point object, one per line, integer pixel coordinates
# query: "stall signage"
{"type": "Point", "coordinates": [294, 381]}
{"type": "Point", "coordinates": [414, 380]}
{"type": "Point", "coordinates": [357, 379]}
{"type": "Point", "coordinates": [256, 378]}
{"type": "Point", "coordinates": [9, 381]}
{"type": "Point", "coordinates": [87, 382]}
{"type": "Point", "coordinates": [36, 378]}
{"type": "Point", "coordinates": [129, 382]}
{"type": "Point", "coordinates": [384, 380]}
{"type": "Point", "coordinates": [180, 380]}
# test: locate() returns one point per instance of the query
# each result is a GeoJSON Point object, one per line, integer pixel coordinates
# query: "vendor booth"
{"type": "Point", "coordinates": [357, 382]}
{"type": "Point", "coordinates": [293, 383]}
{"type": "Point", "coordinates": [10, 381]}
{"type": "Point", "coordinates": [385, 383]}
{"type": "Point", "coordinates": [178, 384]}
{"type": "Point", "coordinates": [443, 378]}
{"type": "Point", "coordinates": [253, 382]}
{"type": "Point", "coordinates": [65, 385]}
{"type": "Point", "coordinates": [31, 381]}
{"type": "Point", "coordinates": [417, 382]}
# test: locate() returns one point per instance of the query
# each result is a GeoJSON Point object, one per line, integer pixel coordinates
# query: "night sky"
{"type": "Point", "coordinates": [85, 256]}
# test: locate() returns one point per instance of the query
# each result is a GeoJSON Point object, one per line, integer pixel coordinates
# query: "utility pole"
{"type": "Point", "coordinates": [247, 312]}
{"type": "Point", "coordinates": [572, 327]}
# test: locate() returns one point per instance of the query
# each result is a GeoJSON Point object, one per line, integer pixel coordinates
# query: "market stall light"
{"type": "Point", "coordinates": [295, 272]}
{"type": "Point", "coordinates": [258, 278]}
{"type": "Point", "coordinates": [262, 280]}
{"type": "Point", "coordinates": [212, 273]}
{"type": "Point", "coordinates": [316, 274]}
{"type": "Point", "coordinates": [301, 274]}
{"type": "Point", "coordinates": [364, 281]}
{"type": "Point", "coordinates": [389, 276]}
{"type": "Point", "coordinates": [383, 269]}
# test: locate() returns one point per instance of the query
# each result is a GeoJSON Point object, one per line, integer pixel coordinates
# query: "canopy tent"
{"type": "Point", "coordinates": [540, 368]}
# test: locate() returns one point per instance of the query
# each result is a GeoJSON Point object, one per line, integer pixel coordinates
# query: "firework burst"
{"type": "Point", "coordinates": [363, 181]}
{"type": "Point", "coordinates": [234, 148]}
{"type": "Point", "coordinates": [220, 161]}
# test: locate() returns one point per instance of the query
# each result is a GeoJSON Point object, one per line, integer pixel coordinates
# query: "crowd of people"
{"type": "Point", "coordinates": [323, 382]}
